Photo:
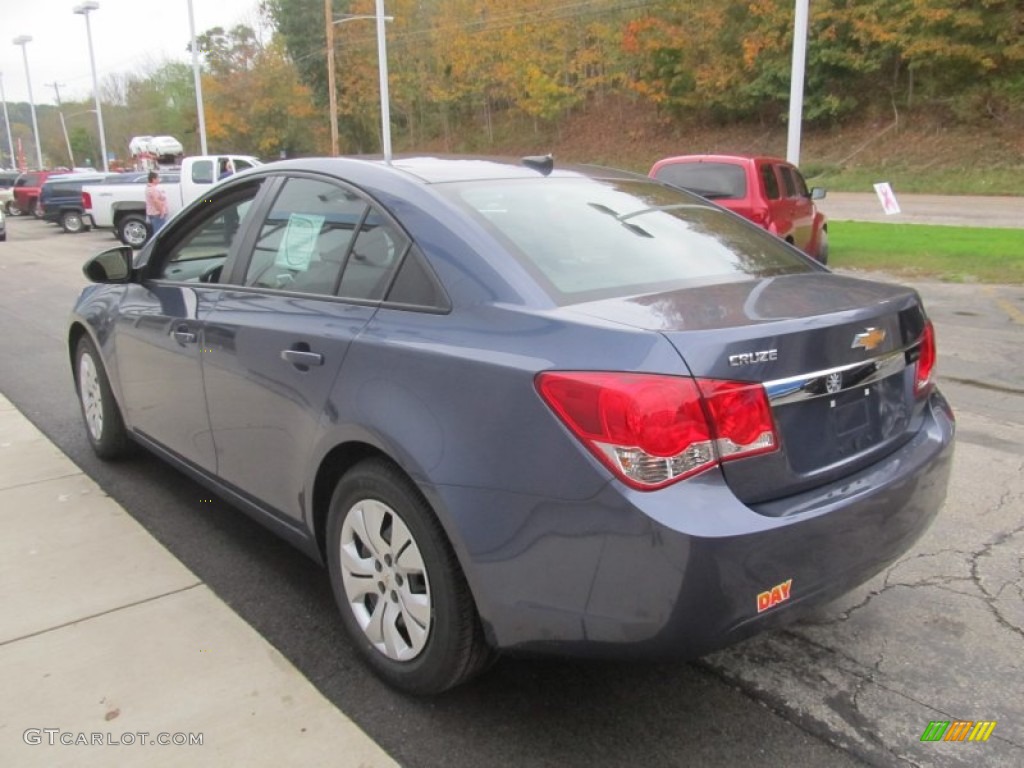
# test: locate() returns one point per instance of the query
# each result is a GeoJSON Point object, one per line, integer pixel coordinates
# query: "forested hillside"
{"type": "Point", "coordinates": [920, 82]}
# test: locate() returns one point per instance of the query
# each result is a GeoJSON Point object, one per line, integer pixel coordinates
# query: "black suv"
{"type": "Point", "coordinates": [60, 199]}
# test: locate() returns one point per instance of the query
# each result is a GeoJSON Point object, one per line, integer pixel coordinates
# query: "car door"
{"type": "Point", "coordinates": [800, 212]}
{"type": "Point", "coordinates": [803, 212]}
{"type": "Point", "coordinates": [160, 327]}
{"type": "Point", "coordinates": [317, 271]}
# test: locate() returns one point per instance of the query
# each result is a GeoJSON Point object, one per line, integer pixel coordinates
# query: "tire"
{"type": "Point", "coordinates": [11, 209]}
{"type": "Point", "coordinates": [823, 247]}
{"type": "Point", "coordinates": [132, 230]}
{"type": "Point", "coordinates": [104, 425]}
{"type": "Point", "coordinates": [72, 222]}
{"type": "Point", "coordinates": [35, 209]}
{"type": "Point", "coordinates": [409, 612]}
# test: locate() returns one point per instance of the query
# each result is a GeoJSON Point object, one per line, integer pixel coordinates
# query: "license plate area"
{"type": "Point", "coordinates": [830, 429]}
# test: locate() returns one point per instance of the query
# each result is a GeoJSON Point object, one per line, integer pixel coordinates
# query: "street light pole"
{"type": "Point", "coordinates": [332, 97]}
{"type": "Point", "coordinates": [7, 122]}
{"type": "Point", "coordinates": [796, 82]}
{"type": "Point", "coordinates": [385, 101]}
{"type": "Point", "coordinates": [198, 81]}
{"type": "Point", "coordinates": [382, 65]}
{"type": "Point", "coordinates": [84, 9]}
{"type": "Point", "coordinates": [24, 40]}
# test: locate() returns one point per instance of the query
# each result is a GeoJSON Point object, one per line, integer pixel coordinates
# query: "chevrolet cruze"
{"type": "Point", "coordinates": [518, 407]}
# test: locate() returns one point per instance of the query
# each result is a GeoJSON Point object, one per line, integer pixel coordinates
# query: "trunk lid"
{"type": "Point", "coordinates": [836, 356]}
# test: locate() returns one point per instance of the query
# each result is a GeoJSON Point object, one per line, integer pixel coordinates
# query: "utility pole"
{"type": "Point", "coordinates": [63, 125]}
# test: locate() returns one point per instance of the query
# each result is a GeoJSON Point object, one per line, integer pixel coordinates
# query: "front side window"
{"type": "Point", "coordinates": [590, 238]}
{"type": "Point", "coordinates": [200, 252]}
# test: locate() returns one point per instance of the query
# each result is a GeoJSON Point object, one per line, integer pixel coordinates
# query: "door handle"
{"type": "Point", "coordinates": [183, 335]}
{"type": "Point", "coordinates": [302, 359]}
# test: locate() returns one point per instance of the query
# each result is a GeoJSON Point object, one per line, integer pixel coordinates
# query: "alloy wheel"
{"type": "Point", "coordinates": [385, 580]}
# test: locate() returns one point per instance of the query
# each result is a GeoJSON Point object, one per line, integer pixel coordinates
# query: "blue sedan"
{"type": "Point", "coordinates": [523, 408]}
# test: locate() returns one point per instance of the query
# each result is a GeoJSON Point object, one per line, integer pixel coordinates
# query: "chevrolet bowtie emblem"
{"type": "Point", "coordinates": [870, 339]}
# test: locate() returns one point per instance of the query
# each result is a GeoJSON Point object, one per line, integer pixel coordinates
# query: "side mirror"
{"type": "Point", "coordinates": [818, 193]}
{"type": "Point", "coordinates": [113, 266]}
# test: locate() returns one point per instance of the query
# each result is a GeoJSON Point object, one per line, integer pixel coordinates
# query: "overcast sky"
{"type": "Point", "coordinates": [127, 36]}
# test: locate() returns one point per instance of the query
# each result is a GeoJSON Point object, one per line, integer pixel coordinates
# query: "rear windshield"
{"type": "Point", "coordinates": [715, 181]}
{"type": "Point", "coordinates": [585, 238]}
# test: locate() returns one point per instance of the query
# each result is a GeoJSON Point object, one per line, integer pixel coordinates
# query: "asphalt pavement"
{"type": "Point", "coordinates": [940, 636]}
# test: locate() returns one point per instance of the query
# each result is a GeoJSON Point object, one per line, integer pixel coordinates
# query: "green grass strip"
{"type": "Point", "coordinates": [952, 254]}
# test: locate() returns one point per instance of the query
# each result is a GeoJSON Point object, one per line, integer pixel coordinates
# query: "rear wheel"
{"type": "Point", "coordinates": [72, 222]}
{"type": "Point", "coordinates": [35, 209]}
{"type": "Point", "coordinates": [103, 423]}
{"type": "Point", "coordinates": [402, 596]}
{"type": "Point", "coordinates": [132, 230]}
{"type": "Point", "coordinates": [12, 209]}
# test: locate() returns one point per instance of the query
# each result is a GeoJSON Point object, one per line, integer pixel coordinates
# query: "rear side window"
{"type": "Point", "coordinates": [787, 180]}
{"type": "Point", "coordinates": [325, 239]}
{"type": "Point", "coordinates": [715, 181]}
{"type": "Point", "coordinates": [202, 172]}
{"type": "Point", "coordinates": [587, 238]}
{"type": "Point", "coordinates": [771, 183]}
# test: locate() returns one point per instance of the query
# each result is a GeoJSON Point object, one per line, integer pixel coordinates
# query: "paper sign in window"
{"type": "Point", "coordinates": [299, 243]}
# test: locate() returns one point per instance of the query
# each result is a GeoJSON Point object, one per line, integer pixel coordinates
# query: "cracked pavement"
{"type": "Point", "coordinates": [940, 634]}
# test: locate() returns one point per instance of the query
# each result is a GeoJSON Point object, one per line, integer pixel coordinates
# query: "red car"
{"type": "Point", "coordinates": [26, 193]}
{"type": "Point", "coordinates": [770, 192]}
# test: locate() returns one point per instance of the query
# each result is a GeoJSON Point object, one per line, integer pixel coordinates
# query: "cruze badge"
{"type": "Point", "coordinates": [748, 358]}
{"type": "Point", "coordinates": [870, 339]}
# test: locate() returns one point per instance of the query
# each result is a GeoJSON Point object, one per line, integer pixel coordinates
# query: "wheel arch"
{"type": "Point", "coordinates": [339, 460]}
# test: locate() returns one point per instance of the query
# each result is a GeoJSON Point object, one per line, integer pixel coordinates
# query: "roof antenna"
{"type": "Point", "coordinates": [543, 163]}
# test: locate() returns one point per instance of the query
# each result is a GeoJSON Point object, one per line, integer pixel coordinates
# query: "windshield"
{"type": "Point", "coordinates": [587, 238]}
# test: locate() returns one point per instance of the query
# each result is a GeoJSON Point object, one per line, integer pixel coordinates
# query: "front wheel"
{"type": "Point", "coordinates": [11, 209]}
{"type": "Point", "coordinates": [132, 230]}
{"type": "Point", "coordinates": [823, 247]}
{"type": "Point", "coordinates": [36, 209]}
{"type": "Point", "coordinates": [402, 595]}
{"type": "Point", "coordinates": [103, 423]}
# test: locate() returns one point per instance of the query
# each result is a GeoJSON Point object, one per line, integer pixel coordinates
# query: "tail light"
{"type": "Point", "coordinates": [86, 201]}
{"type": "Point", "coordinates": [652, 430]}
{"type": "Point", "coordinates": [923, 380]}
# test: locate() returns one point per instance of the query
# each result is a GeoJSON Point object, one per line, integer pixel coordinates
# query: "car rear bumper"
{"type": "Point", "coordinates": [686, 570]}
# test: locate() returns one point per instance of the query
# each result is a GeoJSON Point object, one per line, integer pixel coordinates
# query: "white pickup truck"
{"type": "Point", "coordinates": [122, 207]}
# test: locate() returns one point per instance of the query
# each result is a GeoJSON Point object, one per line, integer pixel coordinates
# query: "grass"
{"type": "Point", "coordinates": [951, 254]}
{"type": "Point", "coordinates": [978, 180]}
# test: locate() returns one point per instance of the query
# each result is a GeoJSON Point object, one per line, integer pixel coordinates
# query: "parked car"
{"type": "Point", "coordinates": [770, 192]}
{"type": "Point", "coordinates": [521, 408]}
{"type": "Point", "coordinates": [122, 207]}
{"type": "Point", "coordinates": [7, 179]}
{"type": "Point", "coordinates": [60, 199]}
{"type": "Point", "coordinates": [26, 192]}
